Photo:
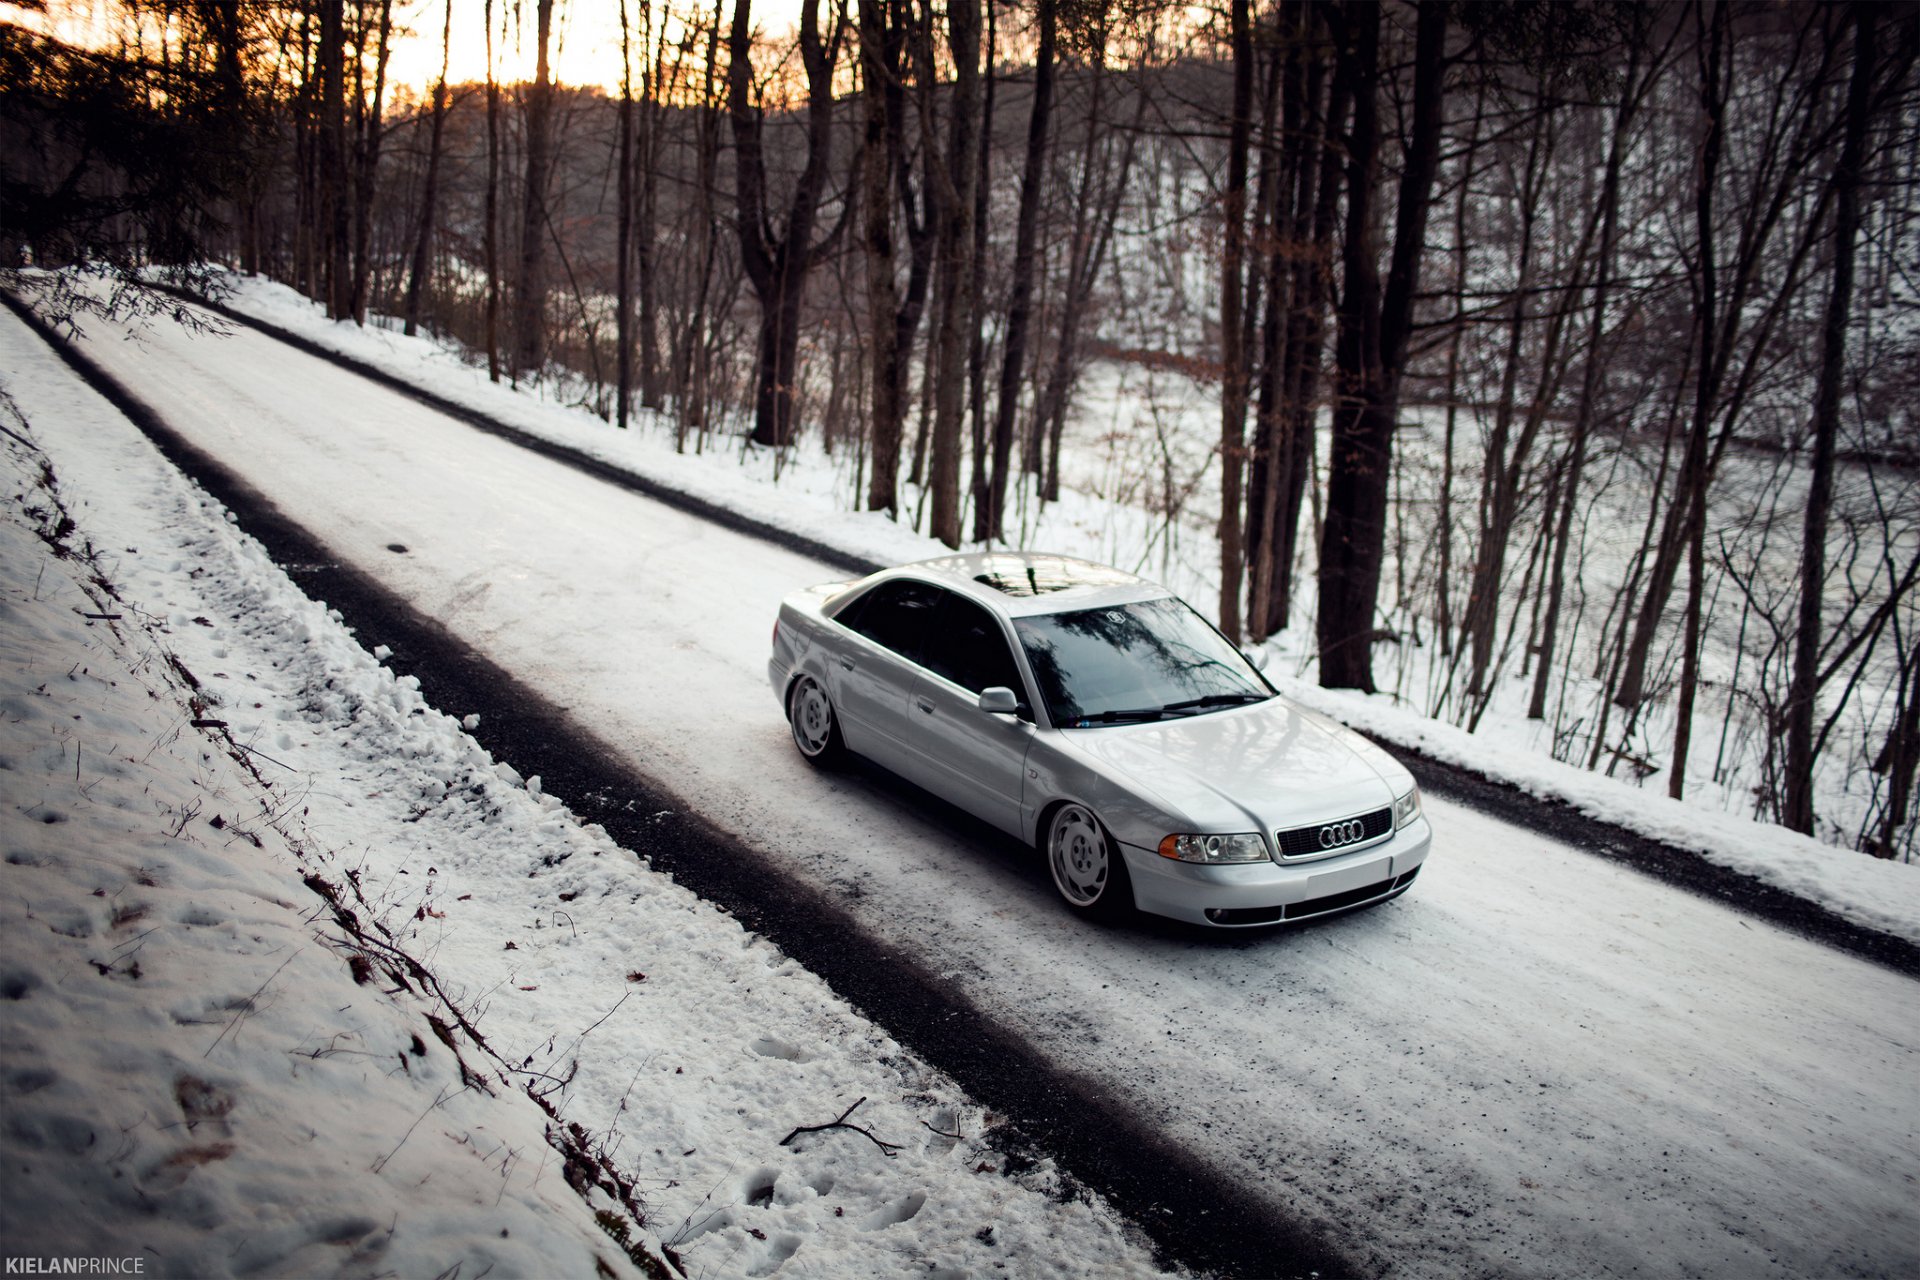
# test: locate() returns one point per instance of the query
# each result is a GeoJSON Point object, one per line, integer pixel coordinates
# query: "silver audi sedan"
{"type": "Point", "coordinates": [1096, 716]}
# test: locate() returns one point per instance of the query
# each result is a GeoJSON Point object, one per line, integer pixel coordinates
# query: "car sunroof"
{"type": "Point", "coordinates": [1024, 576]}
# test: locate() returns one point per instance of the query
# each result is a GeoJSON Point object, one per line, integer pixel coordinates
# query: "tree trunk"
{"type": "Point", "coordinates": [335, 214]}
{"type": "Point", "coordinates": [1285, 157]}
{"type": "Point", "coordinates": [1306, 340]}
{"type": "Point", "coordinates": [1899, 759]}
{"type": "Point", "coordinates": [1374, 328]}
{"type": "Point", "coordinates": [623, 237]}
{"type": "Point", "coordinates": [430, 195]}
{"type": "Point", "coordinates": [366, 186]}
{"type": "Point", "coordinates": [777, 264]}
{"type": "Point", "coordinates": [1797, 806]}
{"type": "Point", "coordinates": [981, 485]}
{"type": "Point", "coordinates": [491, 234]}
{"type": "Point", "coordinates": [1020, 305]}
{"type": "Point", "coordinates": [1233, 356]}
{"type": "Point", "coordinates": [955, 183]}
{"type": "Point", "coordinates": [1694, 492]}
{"type": "Point", "coordinates": [530, 304]}
{"type": "Point", "coordinates": [879, 70]}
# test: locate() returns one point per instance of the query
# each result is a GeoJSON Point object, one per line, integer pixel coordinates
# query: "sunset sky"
{"type": "Point", "coordinates": [586, 38]}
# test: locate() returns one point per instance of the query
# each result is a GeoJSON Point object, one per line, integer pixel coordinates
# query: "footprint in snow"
{"type": "Point", "coordinates": [18, 984]}
{"type": "Point", "coordinates": [945, 1124]}
{"type": "Point", "coordinates": [28, 1080]}
{"type": "Point", "coordinates": [893, 1214]}
{"type": "Point", "coordinates": [779, 1249]}
{"type": "Point", "coordinates": [769, 1047]}
{"type": "Point", "coordinates": [759, 1188]}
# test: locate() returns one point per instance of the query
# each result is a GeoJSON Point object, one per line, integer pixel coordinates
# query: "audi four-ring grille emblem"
{"type": "Point", "coordinates": [1335, 834]}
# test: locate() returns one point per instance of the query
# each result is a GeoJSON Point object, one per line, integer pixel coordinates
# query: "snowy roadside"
{"type": "Point", "coordinates": [285, 953]}
{"type": "Point", "coordinates": [1879, 895]}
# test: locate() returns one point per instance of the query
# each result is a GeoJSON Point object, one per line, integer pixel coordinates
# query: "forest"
{"type": "Point", "coordinates": [1553, 362]}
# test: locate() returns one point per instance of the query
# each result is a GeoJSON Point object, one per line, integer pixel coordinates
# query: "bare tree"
{"type": "Point", "coordinates": [430, 192]}
{"type": "Point", "coordinates": [623, 234]}
{"type": "Point", "coordinates": [777, 261]}
{"type": "Point", "coordinates": [1233, 355]}
{"type": "Point", "coordinates": [1013, 356]}
{"type": "Point", "coordinates": [893, 316]}
{"type": "Point", "coordinates": [1632, 94]}
{"type": "Point", "coordinates": [530, 301]}
{"type": "Point", "coordinates": [953, 180]}
{"type": "Point", "coordinates": [1374, 329]}
{"type": "Point", "coordinates": [334, 205]}
{"type": "Point", "coordinates": [1797, 806]}
{"type": "Point", "coordinates": [490, 248]}
{"type": "Point", "coordinates": [371, 132]}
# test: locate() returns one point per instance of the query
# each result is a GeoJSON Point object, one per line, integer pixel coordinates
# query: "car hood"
{"type": "Point", "coordinates": [1266, 767]}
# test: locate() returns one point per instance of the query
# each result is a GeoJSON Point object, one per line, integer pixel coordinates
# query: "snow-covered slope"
{"type": "Point", "coordinates": [283, 953]}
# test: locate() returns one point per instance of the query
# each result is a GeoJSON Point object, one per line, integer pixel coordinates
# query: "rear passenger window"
{"type": "Point", "coordinates": [895, 614]}
{"type": "Point", "coordinates": [968, 648]}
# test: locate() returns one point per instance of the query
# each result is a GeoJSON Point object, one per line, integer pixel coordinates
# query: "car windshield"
{"type": "Point", "coordinates": [1132, 662]}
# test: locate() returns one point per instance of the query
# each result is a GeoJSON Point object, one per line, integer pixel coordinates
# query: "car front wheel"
{"type": "Point", "coordinates": [1087, 865]}
{"type": "Point", "coordinates": [815, 730]}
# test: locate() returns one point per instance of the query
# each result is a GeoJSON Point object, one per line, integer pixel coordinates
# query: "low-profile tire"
{"type": "Point", "coordinates": [816, 730]}
{"type": "Point", "coordinates": [1086, 864]}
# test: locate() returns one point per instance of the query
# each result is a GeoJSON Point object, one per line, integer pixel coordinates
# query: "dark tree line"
{"type": "Point", "coordinates": [1564, 348]}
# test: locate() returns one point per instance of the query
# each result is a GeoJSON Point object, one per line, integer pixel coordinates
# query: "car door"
{"type": "Point", "coordinates": [972, 757]}
{"type": "Point", "coordinates": [872, 671]}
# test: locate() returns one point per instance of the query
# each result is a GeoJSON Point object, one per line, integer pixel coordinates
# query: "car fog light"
{"type": "Point", "coordinates": [1406, 808]}
{"type": "Point", "coordinates": [1247, 847]}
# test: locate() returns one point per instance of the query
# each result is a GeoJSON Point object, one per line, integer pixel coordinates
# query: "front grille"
{"type": "Point", "coordinates": [1344, 834]}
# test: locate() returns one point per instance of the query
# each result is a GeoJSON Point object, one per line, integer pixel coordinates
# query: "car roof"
{"type": "Point", "coordinates": [1024, 583]}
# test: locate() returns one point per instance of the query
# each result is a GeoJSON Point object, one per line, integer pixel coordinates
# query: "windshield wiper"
{"type": "Point", "coordinates": [1216, 700]}
{"type": "Point", "coordinates": [1126, 713]}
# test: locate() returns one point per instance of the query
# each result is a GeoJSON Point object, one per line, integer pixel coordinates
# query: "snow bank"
{"type": "Point", "coordinates": [193, 1077]}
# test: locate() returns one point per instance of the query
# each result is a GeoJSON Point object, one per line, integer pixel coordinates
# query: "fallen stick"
{"type": "Point", "coordinates": [841, 1123]}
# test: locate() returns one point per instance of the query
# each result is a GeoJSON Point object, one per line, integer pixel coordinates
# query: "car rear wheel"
{"type": "Point", "coordinates": [1087, 865]}
{"type": "Point", "coordinates": [816, 731]}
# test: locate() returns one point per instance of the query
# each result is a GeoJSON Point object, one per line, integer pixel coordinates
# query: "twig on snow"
{"type": "Point", "coordinates": [246, 1006]}
{"type": "Point", "coordinates": [439, 1098]}
{"type": "Point", "coordinates": [841, 1123]}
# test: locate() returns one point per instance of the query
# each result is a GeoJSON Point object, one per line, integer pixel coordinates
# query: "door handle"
{"type": "Point", "coordinates": [924, 705]}
{"type": "Point", "coordinates": [846, 664]}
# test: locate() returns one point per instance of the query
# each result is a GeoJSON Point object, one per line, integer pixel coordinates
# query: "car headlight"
{"type": "Point", "coordinates": [1236, 848]}
{"type": "Point", "coordinates": [1406, 808]}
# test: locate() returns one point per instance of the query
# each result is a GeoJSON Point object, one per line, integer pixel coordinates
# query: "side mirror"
{"type": "Point", "coordinates": [999, 701]}
{"type": "Point", "coordinates": [1254, 659]}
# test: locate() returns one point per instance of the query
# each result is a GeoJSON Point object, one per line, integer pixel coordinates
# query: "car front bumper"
{"type": "Point", "coordinates": [1245, 895]}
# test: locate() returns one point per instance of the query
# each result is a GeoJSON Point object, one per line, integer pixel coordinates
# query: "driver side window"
{"type": "Point", "coordinates": [968, 647]}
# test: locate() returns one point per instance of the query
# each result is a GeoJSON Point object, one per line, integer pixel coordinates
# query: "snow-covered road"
{"type": "Point", "coordinates": [1535, 1063]}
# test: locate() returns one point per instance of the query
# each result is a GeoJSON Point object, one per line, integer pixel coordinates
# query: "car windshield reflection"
{"type": "Point", "coordinates": [1128, 663]}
